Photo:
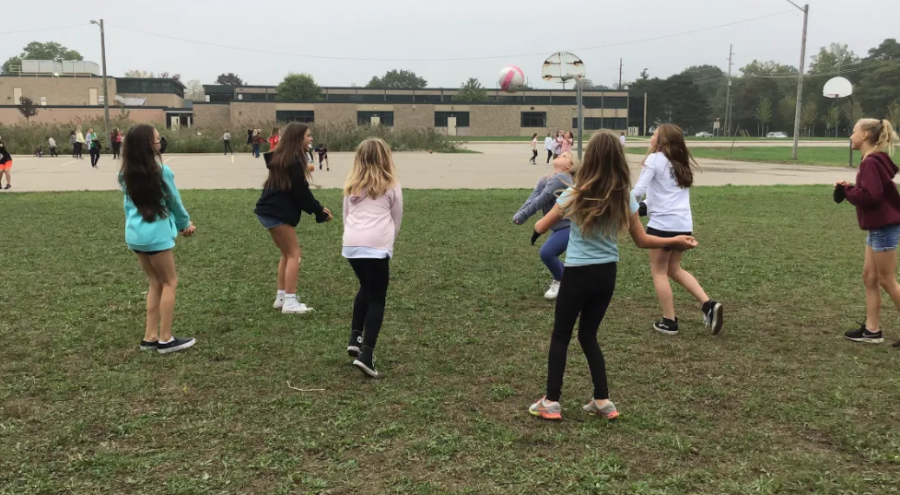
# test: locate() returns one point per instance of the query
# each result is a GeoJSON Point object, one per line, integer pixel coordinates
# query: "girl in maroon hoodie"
{"type": "Point", "coordinates": [878, 211]}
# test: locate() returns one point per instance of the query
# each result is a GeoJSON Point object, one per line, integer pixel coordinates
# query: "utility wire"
{"type": "Point", "coordinates": [44, 29]}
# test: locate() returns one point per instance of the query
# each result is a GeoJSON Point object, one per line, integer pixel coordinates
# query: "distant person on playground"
{"type": "Point", "coordinates": [548, 146]}
{"type": "Point", "coordinates": [558, 143]}
{"type": "Point", "coordinates": [154, 215]}
{"type": "Point", "coordinates": [666, 179]}
{"type": "Point", "coordinates": [534, 151]}
{"type": "Point", "coordinates": [79, 143]}
{"type": "Point", "coordinates": [51, 143]}
{"type": "Point", "coordinates": [600, 206]}
{"type": "Point", "coordinates": [258, 140]}
{"type": "Point", "coordinates": [72, 142]}
{"type": "Point", "coordinates": [543, 198]}
{"type": "Point", "coordinates": [567, 143]}
{"type": "Point", "coordinates": [93, 142]}
{"type": "Point", "coordinates": [322, 151]}
{"type": "Point", "coordinates": [273, 139]}
{"type": "Point", "coordinates": [226, 139]}
{"type": "Point", "coordinates": [285, 195]}
{"type": "Point", "coordinates": [6, 163]}
{"type": "Point", "coordinates": [373, 212]}
{"type": "Point", "coordinates": [622, 139]}
{"type": "Point", "coordinates": [877, 211]}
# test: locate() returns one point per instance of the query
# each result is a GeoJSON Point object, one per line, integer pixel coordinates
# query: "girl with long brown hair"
{"type": "Point", "coordinates": [285, 194]}
{"type": "Point", "coordinates": [600, 206]}
{"type": "Point", "coordinates": [666, 178]}
{"type": "Point", "coordinates": [154, 215]}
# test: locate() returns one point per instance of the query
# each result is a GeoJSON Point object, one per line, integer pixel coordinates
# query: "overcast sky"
{"type": "Point", "coordinates": [520, 33]}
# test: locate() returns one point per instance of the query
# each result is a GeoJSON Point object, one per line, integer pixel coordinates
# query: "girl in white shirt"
{"type": "Point", "coordinates": [534, 152]}
{"type": "Point", "coordinates": [548, 146]}
{"type": "Point", "coordinates": [666, 179]}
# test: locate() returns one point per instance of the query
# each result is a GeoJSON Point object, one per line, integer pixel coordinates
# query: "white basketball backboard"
{"type": "Point", "coordinates": [837, 87]}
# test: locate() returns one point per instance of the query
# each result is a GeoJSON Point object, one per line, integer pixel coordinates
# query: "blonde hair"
{"type": "Point", "coordinates": [373, 171]}
{"type": "Point", "coordinates": [576, 163]}
{"type": "Point", "coordinates": [600, 200]}
{"type": "Point", "coordinates": [881, 134]}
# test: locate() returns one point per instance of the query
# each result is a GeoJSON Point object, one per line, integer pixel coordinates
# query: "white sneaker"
{"type": "Point", "coordinates": [279, 302]}
{"type": "Point", "coordinates": [552, 292]}
{"type": "Point", "coordinates": [296, 307]}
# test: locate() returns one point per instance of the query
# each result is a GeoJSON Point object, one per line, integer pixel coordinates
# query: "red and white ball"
{"type": "Point", "coordinates": [512, 79]}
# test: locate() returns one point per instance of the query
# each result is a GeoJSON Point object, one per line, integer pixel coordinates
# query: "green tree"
{"type": "Point", "coordinates": [764, 113]}
{"type": "Point", "coordinates": [394, 79]}
{"type": "Point", "coordinates": [230, 79]}
{"type": "Point", "coordinates": [41, 51]}
{"type": "Point", "coordinates": [879, 84]}
{"type": "Point", "coordinates": [894, 114]}
{"type": "Point", "coordinates": [853, 112]}
{"type": "Point", "coordinates": [836, 57]}
{"type": "Point", "coordinates": [471, 92]}
{"type": "Point", "coordinates": [296, 87]}
{"type": "Point", "coordinates": [832, 120]}
{"type": "Point", "coordinates": [809, 116]}
{"type": "Point", "coordinates": [139, 74]}
{"type": "Point", "coordinates": [27, 108]}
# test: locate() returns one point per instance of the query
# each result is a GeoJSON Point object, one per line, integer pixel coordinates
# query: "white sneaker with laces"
{"type": "Point", "coordinates": [553, 291]}
{"type": "Point", "coordinates": [279, 302]}
{"type": "Point", "coordinates": [293, 306]}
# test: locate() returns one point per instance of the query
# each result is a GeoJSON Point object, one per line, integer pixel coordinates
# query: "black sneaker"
{"type": "Point", "coordinates": [355, 344]}
{"type": "Point", "coordinates": [366, 362]}
{"type": "Point", "coordinates": [667, 326]}
{"type": "Point", "coordinates": [148, 346]}
{"type": "Point", "coordinates": [713, 316]}
{"type": "Point", "coordinates": [862, 334]}
{"type": "Point", "coordinates": [175, 345]}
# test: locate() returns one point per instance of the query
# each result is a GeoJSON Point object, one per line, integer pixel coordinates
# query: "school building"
{"type": "Point", "coordinates": [73, 91]}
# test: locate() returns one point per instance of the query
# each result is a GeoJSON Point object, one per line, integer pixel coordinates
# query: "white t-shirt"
{"type": "Point", "coordinates": [226, 136]}
{"type": "Point", "coordinates": [622, 140]}
{"type": "Point", "coordinates": [668, 205]}
{"type": "Point", "coordinates": [548, 143]}
{"type": "Point", "coordinates": [534, 144]}
{"type": "Point", "coordinates": [52, 142]}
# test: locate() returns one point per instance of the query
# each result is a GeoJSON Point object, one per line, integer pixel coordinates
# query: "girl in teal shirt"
{"type": "Point", "coordinates": [154, 216]}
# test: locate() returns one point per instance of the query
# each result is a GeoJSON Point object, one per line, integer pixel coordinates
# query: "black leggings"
{"type": "Point", "coordinates": [95, 156]}
{"type": "Point", "coordinates": [77, 152]}
{"type": "Point", "coordinates": [228, 147]}
{"type": "Point", "coordinates": [586, 291]}
{"type": "Point", "coordinates": [549, 155]}
{"type": "Point", "coordinates": [368, 308]}
{"type": "Point", "coordinates": [534, 156]}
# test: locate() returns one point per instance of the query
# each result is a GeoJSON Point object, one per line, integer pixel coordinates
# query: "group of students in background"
{"type": "Point", "coordinates": [78, 141]}
{"type": "Point", "coordinates": [556, 146]}
{"type": "Point", "coordinates": [256, 140]}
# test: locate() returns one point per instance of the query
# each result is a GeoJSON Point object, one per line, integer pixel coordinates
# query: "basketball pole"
{"type": "Point", "coordinates": [578, 99]}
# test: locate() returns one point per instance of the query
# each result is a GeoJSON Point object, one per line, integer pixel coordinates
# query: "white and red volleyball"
{"type": "Point", "coordinates": [512, 79]}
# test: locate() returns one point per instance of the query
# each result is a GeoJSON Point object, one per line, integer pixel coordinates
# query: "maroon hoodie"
{"type": "Point", "coordinates": [875, 194]}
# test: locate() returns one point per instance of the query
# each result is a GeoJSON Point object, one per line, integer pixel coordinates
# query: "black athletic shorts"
{"type": "Point", "coordinates": [148, 253]}
{"type": "Point", "coordinates": [664, 234]}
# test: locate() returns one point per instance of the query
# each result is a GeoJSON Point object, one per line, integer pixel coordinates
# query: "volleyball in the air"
{"type": "Point", "coordinates": [512, 79]}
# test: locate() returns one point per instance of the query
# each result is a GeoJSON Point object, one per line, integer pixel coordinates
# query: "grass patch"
{"type": "Point", "coordinates": [807, 156]}
{"type": "Point", "coordinates": [774, 140]}
{"type": "Point", "coordinates": [778, 404]}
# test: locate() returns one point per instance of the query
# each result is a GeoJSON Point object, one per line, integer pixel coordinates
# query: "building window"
{"type": "Point", "coordinates": [428, 98]}
{"type": "Point", "coordinates": [365, 118]}
{"type": "Point", "coordinates": [462, 118]}
{"type": "Point", "coordinates": [537, 100]}
{"type": "Point", "coordinates": [590, 123]}
{"type": "Point", "coordinates": [338, 98]}
{"type": "Point", "coordinates": [149, 86]}
{"type": "Point", "coordinates": [371, 98]}
{"type": "Point", "coordinates": [592, 101]}
{"type": "Point", "coordinates": [565, 100]}
{"type": "Point", "coordinates": [302, 116]}
{"type": "Point", "coordinates": [618, 124]}
{"type": "Point", "coordinates": [615, 102]}
{"type": "Point", "coordinates": [400, 98]}
{"type": "Point", "coordinates": [534, 119]}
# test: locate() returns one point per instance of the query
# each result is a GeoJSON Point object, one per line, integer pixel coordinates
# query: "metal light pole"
{"type": "Point", "coordinates": [105, 89]}
{"type": "Point", "coordinates": [805, 10]}
{"type": "Point", "coordinates": [579, 86]}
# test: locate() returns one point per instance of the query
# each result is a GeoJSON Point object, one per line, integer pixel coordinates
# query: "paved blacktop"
{"type": "Point", "coordinates": [496, 166]}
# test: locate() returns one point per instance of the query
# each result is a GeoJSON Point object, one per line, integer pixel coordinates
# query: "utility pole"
{"type": "Point", "coordinates": [805, 10]}
{"type": "Point", "coordinates": [620, 74]}
{"type": "Point", "coordinates": [105, 88]}
{"type": "Point", "coordinates": [728, 92]}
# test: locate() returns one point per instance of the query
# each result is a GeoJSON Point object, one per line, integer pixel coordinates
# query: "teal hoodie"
{"type": "Point", "coordinates": [159, 235]}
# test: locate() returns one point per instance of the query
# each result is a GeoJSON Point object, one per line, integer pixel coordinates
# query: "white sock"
{"type": "Point", "coordinates": [168, 341]}
{"type": "Point", "coordinates": [288, 297]}
{"type": "Point", "coordinates": [281, 294]}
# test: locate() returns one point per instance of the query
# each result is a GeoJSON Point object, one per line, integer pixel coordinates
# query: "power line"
{"type": "Point", "coordinates": [856, 68]}
{"type": "Point", "coordinates": [459, 59]}
{"type": "Point", "coordinates": [44, 29]}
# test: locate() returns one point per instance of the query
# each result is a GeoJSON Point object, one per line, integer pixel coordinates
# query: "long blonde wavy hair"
{"type": "Point", "coordinates": [600, 202]}
{"type": "Point", "coordinates": [373, 170]}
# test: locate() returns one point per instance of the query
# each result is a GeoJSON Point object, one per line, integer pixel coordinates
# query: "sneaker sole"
{"type": "Point", "coordinates": [865, 341]}
{"type": "Point", "coordinates": [365, 369]}
{"type": "Point", "coordinates": [148, 348]}
{"type": "Point", "coordinates": [665, 332]}
{"type": "Point", "coordinates": [718, 319]}
{"type": "Point", "coordinates": [551, 297]}
{"type": "Point", "coordinates": [297, 312]}
{"type": "Point", "coordinates": [277, 306]}
{"type": "Point", "coordinates": [547, 416]}
{"type": "Point", "coordinates": [353, 351]}
{"type": "Point", "coordinates": [181, 347]}
{"type": "Point", "coordinates": [594, 412]}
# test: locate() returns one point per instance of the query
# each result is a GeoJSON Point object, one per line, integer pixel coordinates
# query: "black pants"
{"type": "Point", "coordinates": [95, 156]}
{"type": "Point", "coordinates": [53, 151]}
{"type": "Point", "coordinates": [534, 156]}
{"type": "Point", "coordinates": [115, 149]}
{"type": "Point", "coordinates": [549, 155]}
{"type": "Point", "coordinates": [368, 308]}
{"type": "Point", "coordinates": [585, 291]}
{"type": "Point", "coordinates": [228, 147]}
{"type": "Point", "coordinates": [78, 147]}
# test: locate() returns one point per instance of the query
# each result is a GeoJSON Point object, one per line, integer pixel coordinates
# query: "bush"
{"type": "Point", "coordinates": [23, 139]}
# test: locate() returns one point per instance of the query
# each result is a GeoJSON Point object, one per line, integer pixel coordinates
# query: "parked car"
{"type": "Point", "coordinates": [703, 134]}
{"type": "Point", "coordinates": [777, 135]}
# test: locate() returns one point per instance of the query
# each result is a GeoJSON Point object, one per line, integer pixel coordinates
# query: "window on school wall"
{"type": "Point", "coordinates": [302, 116]}
{"type": "Point", "coordinates": [534, 119]}
{"type": "Point", "coordinates": [365, 118]}
{"type": "Point", "coordinates": [590, 123]}
{"type": "Point", "coordinates": [618, 124]}
{"type": "Point", "coordinates": [428, 99]}
{"type": "Point", "coordinates": [462, 118]}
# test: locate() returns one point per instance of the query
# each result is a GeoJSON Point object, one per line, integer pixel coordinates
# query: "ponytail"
{"type": "Point", "coordinates": [881, 135]}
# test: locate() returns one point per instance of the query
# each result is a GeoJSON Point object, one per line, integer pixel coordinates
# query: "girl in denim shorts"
{"type": "Point", "coordinates": [878, 212]}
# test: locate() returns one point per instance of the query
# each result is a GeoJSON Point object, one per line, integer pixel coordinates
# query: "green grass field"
{"type": "Point", "coordinates": [778, 404]}
{"type": "Point", "coordinates": [835, 157]}
{"type": "Point", "coordinates": [774, 140]}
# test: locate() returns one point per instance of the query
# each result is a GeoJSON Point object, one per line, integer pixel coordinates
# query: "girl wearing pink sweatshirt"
{"type": "Point", "coordinates": [373, 211]}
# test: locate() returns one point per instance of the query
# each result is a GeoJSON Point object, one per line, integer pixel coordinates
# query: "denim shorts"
{"type": "Point", "coordinates": [269, 222]}
{"type": "Point", "coordinates": [884, 239]}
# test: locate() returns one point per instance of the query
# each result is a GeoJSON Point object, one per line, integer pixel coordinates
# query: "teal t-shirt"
{"type": "Point", "coordinates": [596, 249]}
{"type": "Point", "coordinates": [160, 234]}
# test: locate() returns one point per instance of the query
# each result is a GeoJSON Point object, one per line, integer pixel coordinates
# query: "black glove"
{"type": "Point", "coordinates": [839, 194]}
{"type": "Point", "coordinates": [642, 210]}
{"type": "Point", "coordinates": [534, 237]}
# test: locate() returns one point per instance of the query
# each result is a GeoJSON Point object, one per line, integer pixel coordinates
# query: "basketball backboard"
{"type": "Point", "coordinates": [837, 87]}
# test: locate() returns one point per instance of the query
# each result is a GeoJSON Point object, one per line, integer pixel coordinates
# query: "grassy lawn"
{"type": "Point", "coordinates": [774, 140]}
{"type": "Point", "coordinates": [777, 404]}
{"type": "Point", "coordinates": [807, 156]}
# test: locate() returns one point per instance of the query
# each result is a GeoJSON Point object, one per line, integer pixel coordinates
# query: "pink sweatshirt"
{"type": "Point", "coordinates": [373, 223]}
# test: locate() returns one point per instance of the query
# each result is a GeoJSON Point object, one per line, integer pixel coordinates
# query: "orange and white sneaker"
{"type": "Point", "coordinates": [608, 411]}
{"type": "Point", "coordinates": [546, 409]}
